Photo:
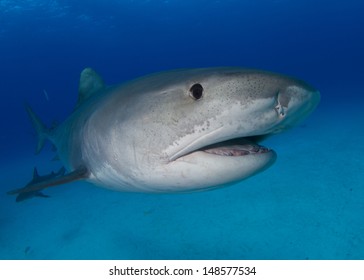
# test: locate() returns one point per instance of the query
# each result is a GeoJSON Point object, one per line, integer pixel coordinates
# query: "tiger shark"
{"type": "Point", "coordinates": [176, 131]}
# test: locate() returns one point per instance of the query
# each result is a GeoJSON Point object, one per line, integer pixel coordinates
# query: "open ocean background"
{"type": "Point", "coordinates": [308, 205]}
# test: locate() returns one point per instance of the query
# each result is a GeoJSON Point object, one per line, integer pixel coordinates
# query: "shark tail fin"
{"type": "Point", "coordinates": [40, 128]}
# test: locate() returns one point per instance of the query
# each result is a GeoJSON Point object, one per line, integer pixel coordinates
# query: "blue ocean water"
{"type": "Point", "coordinates": [308, 205]}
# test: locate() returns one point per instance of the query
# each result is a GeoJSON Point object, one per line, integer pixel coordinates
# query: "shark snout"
{"type": "Point", "coordinates": [295, 103]}
{"type": "Point", "coordinates": [306, 99]}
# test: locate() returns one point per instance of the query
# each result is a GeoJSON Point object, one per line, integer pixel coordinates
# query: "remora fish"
{"type": "Point", "coordinates": [36, 180]}
{"type": "Point", "coordinates": [174, 131]}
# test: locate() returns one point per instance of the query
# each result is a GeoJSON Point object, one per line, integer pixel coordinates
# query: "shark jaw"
{"type": "Point", "coordinates": [238, 147]}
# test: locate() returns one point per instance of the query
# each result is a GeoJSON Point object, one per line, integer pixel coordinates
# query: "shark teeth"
{"type": "Point", "coordinates": [237, 150]}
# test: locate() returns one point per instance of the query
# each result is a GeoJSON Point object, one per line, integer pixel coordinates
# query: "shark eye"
{"type": "Point", "coordinates": [196, 91]}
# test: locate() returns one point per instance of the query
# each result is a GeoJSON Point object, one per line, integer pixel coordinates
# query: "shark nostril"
{"type": "Point", "coordinates": [280, 108]}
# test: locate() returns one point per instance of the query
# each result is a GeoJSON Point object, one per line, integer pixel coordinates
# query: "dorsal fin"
{"type": "Point", "coordinates": [90, 83]}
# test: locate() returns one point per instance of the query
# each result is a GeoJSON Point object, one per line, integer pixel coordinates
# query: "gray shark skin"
{"type": "Point", "coordinates": [176, 131]}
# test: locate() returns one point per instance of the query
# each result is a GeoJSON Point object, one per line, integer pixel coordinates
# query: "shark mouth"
{"type": "Point", "coordinates": [236, 147]}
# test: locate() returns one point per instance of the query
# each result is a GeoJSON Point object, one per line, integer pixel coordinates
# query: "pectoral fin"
{"type": "Point", "coordinates": [39, 183]}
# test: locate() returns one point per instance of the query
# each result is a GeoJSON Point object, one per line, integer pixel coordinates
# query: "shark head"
{"type": "Point", "coordinates": [188, 130]}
